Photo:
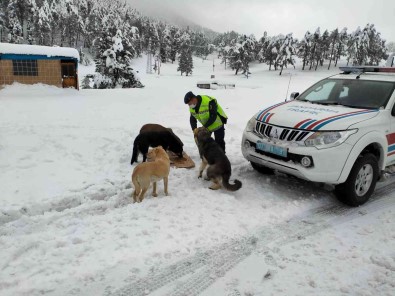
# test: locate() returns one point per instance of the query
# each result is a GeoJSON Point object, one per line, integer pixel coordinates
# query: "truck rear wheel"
{"type": "Point", "coordinates": [361, 182]}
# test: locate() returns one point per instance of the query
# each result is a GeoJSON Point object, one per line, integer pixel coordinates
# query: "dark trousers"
{"type": "Point", "coordinates": [219, 136]}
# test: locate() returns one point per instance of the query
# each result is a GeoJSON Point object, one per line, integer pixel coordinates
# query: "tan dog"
{"type": "Point", "coordinates": [219, 169]}
{"type": "Point", "coordinates": [156, 169]}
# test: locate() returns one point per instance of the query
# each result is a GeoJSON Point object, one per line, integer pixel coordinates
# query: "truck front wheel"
{"type": "Point", "coordinates": [361, 182]}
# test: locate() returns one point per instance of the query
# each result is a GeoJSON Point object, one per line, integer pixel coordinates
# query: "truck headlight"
{"type": "Point", "coordinates": [251, 124]}
{"type": "Point", "coordinates": [322, 140]}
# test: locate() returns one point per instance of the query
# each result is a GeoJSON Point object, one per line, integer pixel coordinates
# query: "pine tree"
{"type": "Point", "coordinates": [363, 44]}
{"type": "Point", "coordinates": [242, 53]}
{"type": "Point", "coordinates": [20, 12]}
{"type": "Point", "coordinates": [261, 48]}
{"type": "Point", "coordinates": [352, 45]}
{"type": "Point", "coordinates": [175, 43]}
{"type": "Point", "coordinates": [115, 65]}
{"type": "Point", "coordinates": [3, 5]}
{"type": "Point", "coordinates": [286, 53]}
{"type": "Point", "coordinates": [333, 39]}
{"type": "Point", "coordinates": [314, 47]}
{"type": "Point", "coordinates": [305, 48]}
{"type": "Point", "coordinates": [322, 49]}
{"type": "Point", "coordinates": [200, 45]}
{"type": "Point", "coordinates": [342, 43]}
{"type": "Point", "coordinates": [43, 23]}
{"type": "Point", "coordinates": [377, 48]}
{"type": "Point", "coordinates": [185, 64]}
{"type": "Point", "coordinates": [272, 51]}
{"type": "Point", "coordinates": [165, 44]}
{"type": "Point", "coordinates": [390, 47]}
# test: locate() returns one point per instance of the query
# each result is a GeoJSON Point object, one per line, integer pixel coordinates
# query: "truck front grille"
{"type": "Point", "coordinates": [283, 134]}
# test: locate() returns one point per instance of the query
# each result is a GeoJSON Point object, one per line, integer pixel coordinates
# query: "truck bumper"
{"type": "Point", "coordinates": [327, 164]}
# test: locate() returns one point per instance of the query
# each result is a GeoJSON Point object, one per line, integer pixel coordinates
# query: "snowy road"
{"type": "Point", "coordinates": [192, 276]}
{"type": "Point", "coordinates": [68, 227]}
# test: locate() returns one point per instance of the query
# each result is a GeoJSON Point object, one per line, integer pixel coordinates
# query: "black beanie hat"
{"type": "Point", "coordinates": [189, 95]}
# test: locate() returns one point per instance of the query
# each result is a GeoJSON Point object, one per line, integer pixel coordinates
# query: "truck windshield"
{"type": "Point", "coordinates": [353, 93]}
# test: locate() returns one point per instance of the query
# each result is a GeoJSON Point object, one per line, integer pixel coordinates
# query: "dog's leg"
{"type": "Point", "coordinates": [165, 184]}
{"type": "Point", "coordinates": [203, 165]}
{"type": "Point", "coordinates": [142, 194]}
{"type": "Point", "coordinates": [144, 151]}
{"type": "Point", "coordinates": [154, 194]}
{"type": "Point", "coordinates": [216, 184]}
{"type": "Point", "coordinates": [137, 189]}
{"type": "Point", "coordinates": [207, 178]}
{"type": "Point", "coordinates": [135, 195]}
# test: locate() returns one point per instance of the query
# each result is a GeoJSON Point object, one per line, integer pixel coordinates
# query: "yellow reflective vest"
{"type": "Point", "coordinates": [204, 113]}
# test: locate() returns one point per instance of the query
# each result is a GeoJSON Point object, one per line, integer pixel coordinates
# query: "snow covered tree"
{"type": "Point", "coordinates": [272, 51]}
{"type": "Point", "coordinates": [286, 53]}
{"type": "Point", "coordinates": [314, 47]}
{"type": "Point", "coordinates": [200, 45]}
{"type": "Point", "coordinates": [304, 48]}
{"type": "Point", "coordinates": [43, 24]}
{"type": "Point", "coordinates": [185, 64]}
{"type": "Point", "coordinates": [362, 46]}
{"type": "Point", "coordinates": [377, 48]}
{"type": "Point", "coordinates": [175, 43]}
{"type": "Point", "coordinates": [151, 37]}
{"type": "Point", "coordinates": [261, 47]}
{"type": "Point", "coordinates": [165, 43]}
{"type": "Point", "coordinates": [321, 52]}
{"type": "Point", "coordinates": [242, 54]}
{"type": "Point", "coordinates": [352, 45]}
{"type": "Point", "coordinates": [333, 39]}
{"type": "Point", "coordinates": [19, 14]}
{"type": "Point", "coordinates": [390, 47]}
{"type": "Point", "coordinates": [366, 46]}
{"type": "Point", "coordinates": [341, 45]}
{"type": "Point", "coordinates": [114, 66]}
{"type": "Point", "coordinates": [3, 6]}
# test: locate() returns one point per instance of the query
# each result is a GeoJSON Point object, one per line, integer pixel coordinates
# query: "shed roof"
{"type": "Point", "coordinates": [24, 49]}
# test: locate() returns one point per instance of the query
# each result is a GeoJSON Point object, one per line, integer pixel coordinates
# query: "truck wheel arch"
{"type": "Point", "coordinates": [372, 142]}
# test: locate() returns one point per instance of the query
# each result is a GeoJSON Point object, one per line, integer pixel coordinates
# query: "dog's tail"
{"type": "Point", "coordinates": [231, 187]}
{"type": "Point", "coordinates": [135, 151]}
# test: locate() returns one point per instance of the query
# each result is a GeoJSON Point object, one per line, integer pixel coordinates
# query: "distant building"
{"type": "Point", "coordinates": [29, 64]}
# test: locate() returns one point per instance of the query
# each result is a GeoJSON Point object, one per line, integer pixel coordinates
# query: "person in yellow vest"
{"type": "Point", "coordinates": [209, 113]}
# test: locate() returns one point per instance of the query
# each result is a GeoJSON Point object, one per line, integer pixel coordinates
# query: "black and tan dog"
{"type": "Point", "coordinates": [154, 135]}
{"type": "Point", "coordinates": [219, 170]}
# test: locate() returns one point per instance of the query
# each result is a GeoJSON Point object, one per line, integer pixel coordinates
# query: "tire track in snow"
{"type": "Point", "coordinates": [193, 275]}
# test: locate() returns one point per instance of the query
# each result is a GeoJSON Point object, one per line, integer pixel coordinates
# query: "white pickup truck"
{"type": "Point", "coordinates": [340, 131]}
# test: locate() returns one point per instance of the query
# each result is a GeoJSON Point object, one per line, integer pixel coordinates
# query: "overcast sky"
{"type": "Point", "coordinates": [279, 16]}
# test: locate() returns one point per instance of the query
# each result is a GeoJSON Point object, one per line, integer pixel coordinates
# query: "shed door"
{"type": "Point", "coordinates": [69, 75]}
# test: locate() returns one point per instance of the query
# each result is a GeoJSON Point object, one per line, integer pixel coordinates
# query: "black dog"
{"type": "Point", "coordinates": [213, 155]}
{"type": "Point", "coordinates": [166, 139]}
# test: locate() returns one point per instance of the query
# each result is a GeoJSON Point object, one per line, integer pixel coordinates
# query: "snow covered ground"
{"type": "Point", "coordinates": [68, 226]}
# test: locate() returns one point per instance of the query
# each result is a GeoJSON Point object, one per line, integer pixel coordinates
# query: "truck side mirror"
{"type": "Point", "coordinates": [292, 96]}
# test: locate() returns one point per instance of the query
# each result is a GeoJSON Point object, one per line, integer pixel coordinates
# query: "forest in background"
{"type": "Point", "coordinates": [114, 33]}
